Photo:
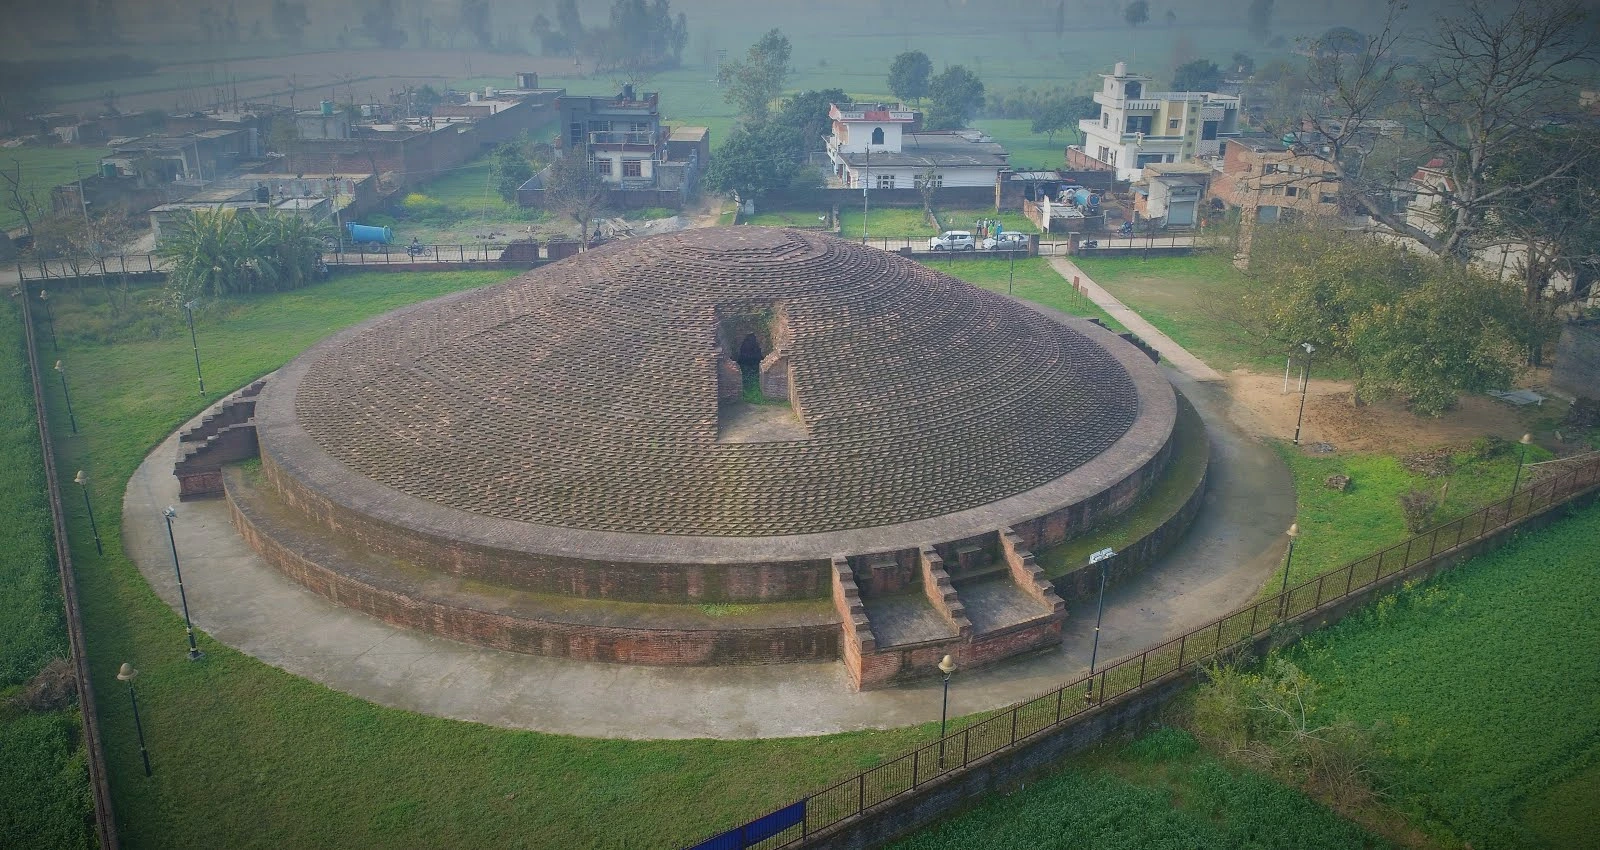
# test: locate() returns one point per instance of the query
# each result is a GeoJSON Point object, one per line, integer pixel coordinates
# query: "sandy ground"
{"type": "Point", "coordinates": [1385, 426]}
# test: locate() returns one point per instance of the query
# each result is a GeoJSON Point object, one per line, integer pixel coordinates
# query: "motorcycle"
{"type": "Point", "coordinates": [1089, 243]}
{"type": "Point", "coordinates": [1125, 230]}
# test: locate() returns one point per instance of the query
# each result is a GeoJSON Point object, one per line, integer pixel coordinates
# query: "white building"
{"type": "Point", "coordinates": [874, 146]}
{"type": "Point", "coordinates": [1137, 127]}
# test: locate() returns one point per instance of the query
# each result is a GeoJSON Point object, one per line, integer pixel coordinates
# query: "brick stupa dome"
{"type": "Point", "coordinates": [711, 415]}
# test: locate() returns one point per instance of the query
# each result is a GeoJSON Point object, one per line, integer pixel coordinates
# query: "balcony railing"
{"type": "Point", "coordinates": [617, 137]}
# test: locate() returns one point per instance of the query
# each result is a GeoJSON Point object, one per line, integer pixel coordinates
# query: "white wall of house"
{"type": "Point", "coordinates": [906, 178]}
{"type": "Point", "coordinates": [859, 136]}
{"type": "Point", "coordinates": [618, 169]}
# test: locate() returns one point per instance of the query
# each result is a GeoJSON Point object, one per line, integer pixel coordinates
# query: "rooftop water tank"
{"type": "Point", "coordinates": [1121, 70]}
{"type": "Point", "coordinates": [327, 107]}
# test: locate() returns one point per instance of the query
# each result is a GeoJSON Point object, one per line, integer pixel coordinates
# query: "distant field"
{"type": "Point", "coordinates": [1029, 151]}
{"type": "Point", "coordinates": [43, 168]}
{"type": "Point", "coordinates": [194, 82]}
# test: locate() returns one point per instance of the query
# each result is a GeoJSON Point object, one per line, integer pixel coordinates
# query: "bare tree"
{"type": "Point", "coordinates": [571, 186]}
{"type": "Point", "coordinates": [1493, 73]}
{"type": "Point", "coordinates": [19, 199]}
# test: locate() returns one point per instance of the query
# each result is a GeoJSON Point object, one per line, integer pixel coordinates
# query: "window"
{"type": "Point", "coordinates": [1169, 157]}
{"type": "Point", "coordinates": [1330, 174]}
{"type": "Point", "coordinates": [1329, 198]}
{"type": "Point", "coordinates": [937, 181]}
{"type": "Point", "coordinates": [575, 133]}
{"type": "Point", "coordinates": [1138, 124]}
{"type": "Point", "coordinates": [1133, 89]}
{"type": "Point", "coordinates": [1269, 168]}
{"type": "Point", "coordinates": [639, 127]}
{"type": "Point", "coordinates": [599, 126]}
{"type": "Point", "coordinates": [1172, 123]}
{"type": "Point", "coordinates": [632, 168]}
{"type": "Point", "coordinates": [1292, 191]}
{"type": "Point", "coordinates": [1208, 131]}
{"type": "Point", "coordinates": [1105, 121]}
{"type": "Point", "coordinates": [885, 181]}
{"type": "Point", "coordinates": [601, 167]}
{"type": "Point", "coordinates": [877, 135]}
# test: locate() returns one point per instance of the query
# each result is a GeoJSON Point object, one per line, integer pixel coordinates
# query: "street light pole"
{"type": "Point", "coordinates": [194, 651]}
{"type": "Point", "coordinates": [1011, 269]}
{"type": "Point", "coordinates": [1103, 558]}
{"type": "Point", "coordinates": [50, 318]}
{"type": "Point", "coordinates": [866, 181]}
{"type": "Point", "coordinates": [1527, 440]}
{"type": "Point", "coordinates": [83, 483]}
{"type": "Point", "coordinates": [188, 310]}
{"type": "Point", "coordinates": [72, 419]}
{"type": "Point", "coordinates": [128, 674]}
{"type": "Point", "coordinates": [1304, 386]}
{"type": "Point", "coordinates": [946, 666]}
{"type": "Point", "coordinates": [1288, 561]}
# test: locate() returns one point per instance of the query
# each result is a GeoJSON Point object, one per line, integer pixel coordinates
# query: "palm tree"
{"type": "Point", "coordinates": [222, 252]}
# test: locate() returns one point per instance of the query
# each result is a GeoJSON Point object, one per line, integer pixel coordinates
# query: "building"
{"type": "Point", "coordinates": [327, 122]}
{"type": "Point", "coordinates": [1264, 178]}
{"type": "Point", "coordinates": [643, 161]}
{"type": "Point", "coordinates": [1171, 193]}
{"type": "Point", "coordinates": [918, 440]}
{"type": "Point", "coordinates": [192, 157]}
{"type": "Point", "coordinates": [876, 146]}
{"type": "Point", "coordinates": [328, 198]}
{"type": "Point", "coordinates": [1138, 127]}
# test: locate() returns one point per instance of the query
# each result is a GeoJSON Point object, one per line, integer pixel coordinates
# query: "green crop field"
{"type": "Point", "coordinates": [43, 168]}
{"type": "Point", "coordinates": [1029, 151]}
{"type": "Point", "coordinates": [1486, 683]}
{"type": "Point", "coordinates": [1157, 792]}
{"type": "Point", "coordinates": [44, 785]}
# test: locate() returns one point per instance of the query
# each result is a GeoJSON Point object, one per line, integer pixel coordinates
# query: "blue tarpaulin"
{"type": "Point", "coordinates": [756, 831]}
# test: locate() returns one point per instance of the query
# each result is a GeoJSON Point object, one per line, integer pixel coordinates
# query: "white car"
{"type": "Point", "coordinates": [1010, 240]}
{"type": "Point", "coordinates": [953, 240]}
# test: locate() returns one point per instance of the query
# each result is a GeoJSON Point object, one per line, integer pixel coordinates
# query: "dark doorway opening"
{"type": "Point", "coordinates": [749, 360]}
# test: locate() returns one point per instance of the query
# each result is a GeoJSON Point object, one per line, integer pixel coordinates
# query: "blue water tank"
{"type": "Point", "coordinates": [1094, 201]}
{"type": "Point", "coordinates": [1080, 197]}
{"type": "Point", "coordinates": [368, 233]}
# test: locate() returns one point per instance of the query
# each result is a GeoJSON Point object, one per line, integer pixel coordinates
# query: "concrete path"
{"type": "Point", "coordinates": [238, 599]}
{"type": "Point", "coordinates": [1174, 353]}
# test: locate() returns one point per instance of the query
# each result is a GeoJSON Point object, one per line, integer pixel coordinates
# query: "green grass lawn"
{"type": "Point", "coordinates": [1335, 526]}
{"type": "Point", "coordinates": [44, 784]}
{"type": "Point", "coordinates": [44, 168]}
{"type": "Point", "coordinates": [247, 755]}
{"type": "Point", "coordinates": [1157, 792]}
{"type": "Point", "coordinates": [1486, 683]}
{"type": "Point", "coordinates": [1029, 151]}
{"type": "Point", "coordinates": [1189, 299]}
{"type": "Point", "coordinates": [1030, 278]}
{"type": "Point", "coordinates": [809, 219]}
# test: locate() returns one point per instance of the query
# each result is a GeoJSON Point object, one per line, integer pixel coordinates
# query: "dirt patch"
{"type": "Point", "coordinates": [1384, 426]}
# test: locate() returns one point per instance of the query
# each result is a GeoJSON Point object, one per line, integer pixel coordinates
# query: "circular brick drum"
{"type": "Point", "coordinates": [708, 418]}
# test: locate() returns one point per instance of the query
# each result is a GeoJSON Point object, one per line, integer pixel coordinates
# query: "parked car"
{"type": "Point", "coordinates": [1010, 240]}
{"type": "Point", "coordinates": [953, 240]}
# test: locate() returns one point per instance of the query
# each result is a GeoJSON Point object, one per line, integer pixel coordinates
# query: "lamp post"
{"type": "Point", "coordinates": [866, 179]}
{"type": "Point", "coordinates": [72, 419]}
{"type": "Point", "coordinates": [83, 483]}
{"type": "Point", "coordinates": [1103, 558]}
{"type": "Point", "coordinates": [188, 310]}
{"type": "Point", "coordinates": [194, 651]}
{"type": "Point", "coordinates": [128, 674]}
{"type": "Point", "coordinates": [1527, 440]}
{"type": "Point", "coordinates": [1011, 269]}
{"type": "Point", "coordinates": [1305, 385]}
{"type": "Point", "coordinates": [1288, 561]}
{"type": "Point", "coordinates": [50, 318]}
{"type": "Point", "coordinates": [946, 666]}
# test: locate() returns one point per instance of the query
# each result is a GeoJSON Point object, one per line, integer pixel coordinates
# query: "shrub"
{"type": "Point", "coordinates": [1489, 447]}
{"type": "Point", "coordinates": [51, 690]}
{"type": "Point", "coordinates": [1419, 508]}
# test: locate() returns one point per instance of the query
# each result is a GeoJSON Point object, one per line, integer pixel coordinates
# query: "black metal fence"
{"type": "Point", "coordinates": [364, 254]}
{"type": "Point", "coordinates": [1023, 721]}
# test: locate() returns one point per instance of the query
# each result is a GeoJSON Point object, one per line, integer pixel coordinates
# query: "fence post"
{"type": "Point", "coordinates": [1059, 692]}
{"type": "Point", "coordinates": [1145, 656]}
{"type": "Point", "coordinates": [1183, 644]}
{"type": "Point", "coordinates": [1254, 609]}
{"type": "Point", "coordinates": [916, 763]}
{"type": "Point", "coordinates": [861, 792]}
{"type": "Point", "coordinates": [966, 738]}
{"type": "Point", "coordinates": [461, 254]}
{"type": "Point", "coordinates": [1014, 713]}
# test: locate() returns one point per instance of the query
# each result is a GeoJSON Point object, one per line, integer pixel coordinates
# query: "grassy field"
{"type": "Point", "coordinates": [1029, 151]}
{"type": "Point", "coordinates": [44, 785]}
{"type": "Point", "coordinates": [1335, 525]}
{"type": "Point", "coordinates": [246, 755]}
{"type": "Point", "coordinates": [1188, 299]}
{"type": "Point", "coordinates": [1486, 683]}
{"type": "Point", "coordinates": [43, 168]}
{"type": "Point", "coordinates": [1160, 791]}
{"type": "Point", "coordinates": [1032, 279]}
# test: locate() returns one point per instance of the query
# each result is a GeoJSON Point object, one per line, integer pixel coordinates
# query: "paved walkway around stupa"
{"type": "Point", "coordinates": [236, 598]}
{"type": "Point", "coordinates": [1172, 352]}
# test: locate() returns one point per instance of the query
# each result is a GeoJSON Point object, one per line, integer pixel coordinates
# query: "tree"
{"type": "Point", "coordinates": [928, 183]}
{"type": "Point", "coordinates": [378, 23]}
{"type": "Point", "coordinates": [1171, 18]}
{"type": "Point", "coordinates": [806, 115]}
{"type": "Point", "coordinates": [1259, 19]}
{"type": "Point", "coordinates": [754, 82]}
{"type": "Point", "coordinates": [572, 187]}
{"type": "Point", "coordinates": [1243, 64]}
{"type": "Point", "coordinates": [956, 95]}
{"type": "Point", "coordinates": [908, 76]}
{"type": "Point", "coordinates": [755, 159]}
{"type": "Point", "coordinates": [20, 198]}
{"type": "Point", "coordinates": [1136, 13]}
{"type": "Point", "coordinates": [1423, 327]}
{"type": "Point", "coordinates": [222, 252]}
{"type": "Point", "coordinates": [474, 17]}
{"type": "Point", "coordinates": [509, 168]}
{"type": "Point", "coordinates": [289, 20]}
{"type": "Point", "coordinates": [1199, 75]}
{"type": "Point", "coordinates": [1491, 74]}
{"type": "Point", "coordinates": [1060, 113]}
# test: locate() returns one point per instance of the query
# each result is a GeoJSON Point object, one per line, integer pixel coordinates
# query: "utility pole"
{"type": "Point", "coordinates": [866, 180]}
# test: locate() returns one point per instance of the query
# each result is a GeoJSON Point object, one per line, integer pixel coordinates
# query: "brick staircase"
{"type": "Point", "coordinates": [226, 434]}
